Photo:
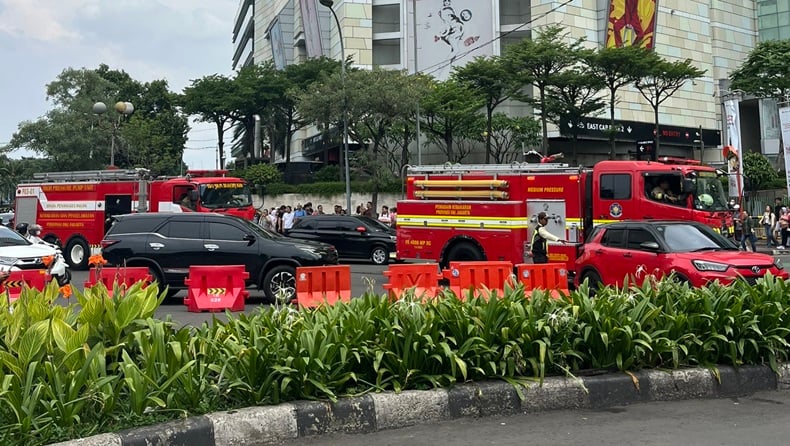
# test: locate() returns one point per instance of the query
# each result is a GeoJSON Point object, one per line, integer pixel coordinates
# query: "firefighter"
{"type": "Point", "coordinates": [662, 192]}
{"type": "Point", "coordinates": [539, 250]}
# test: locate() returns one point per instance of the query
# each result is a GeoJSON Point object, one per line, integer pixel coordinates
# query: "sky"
{"type": "Point", "coordinates": [175, 40]}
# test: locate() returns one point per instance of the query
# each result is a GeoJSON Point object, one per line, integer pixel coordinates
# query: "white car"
{"type": "Point", "coordinates": [17, 253]}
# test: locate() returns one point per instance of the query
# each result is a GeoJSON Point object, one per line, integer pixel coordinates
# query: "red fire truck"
{"type": "Point", "coordinates": [75, 207]}
{"type": "Point", "coordinates": [488, 212]}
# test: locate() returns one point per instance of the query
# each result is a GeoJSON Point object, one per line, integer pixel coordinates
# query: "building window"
{"type": "Point", "coordinates": [386, 19]}
{"type": "Point", "coordinates": [386, 52]}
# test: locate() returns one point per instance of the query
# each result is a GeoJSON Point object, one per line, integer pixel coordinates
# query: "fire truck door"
{"type": "Point", "coordinates": [613, 197]}
{"type": "Point", "coordinates": [116, 205]}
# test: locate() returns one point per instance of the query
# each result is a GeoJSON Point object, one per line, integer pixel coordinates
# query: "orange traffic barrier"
{"type": "Point", "coordinates": [491, 276]}
{"type": "Point", "coordinates": [317, 285]}
{"type": "Point", "coordinates": [216, 288]}
{"type": "Point", "coordinates": [125, 276]}
{"type": "Point", "coordinates": [421, 278]}
{"type": "Point", "coordinates": [546, 276]}
{"type": "Point", "coordinates": [19, 280]}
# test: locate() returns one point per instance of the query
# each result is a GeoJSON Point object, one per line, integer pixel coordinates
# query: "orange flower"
{"type": "Point", "coordinates": [96, 260]}
{"type": "Point", "coordinates": [47, 260]}
{"type": "Point", "coordinates": [65, 290]}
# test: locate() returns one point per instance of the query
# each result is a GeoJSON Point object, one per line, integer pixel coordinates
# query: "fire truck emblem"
{"type": "Point", "coordinates": [615, 210]}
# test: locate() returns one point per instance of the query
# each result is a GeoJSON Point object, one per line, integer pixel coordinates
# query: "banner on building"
{"type": "Point", "coordinates": [784, 120]}
{"type": "Point", "coordinates": [311, 28]}
{"type": "Point", "coordinates": [733, 152]}
{"type": "Point", "coordinates": [451, 33]}
{"type": "Point", "coordinates": [631, 22]}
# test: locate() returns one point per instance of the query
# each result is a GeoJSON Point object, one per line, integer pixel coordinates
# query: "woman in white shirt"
{"type": "Point", "coordinates": [768, 220]}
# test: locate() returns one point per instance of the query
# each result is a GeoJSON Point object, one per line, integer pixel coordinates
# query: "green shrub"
{"type": "Point", "coordinates": [327, 174]}
{"type": "Point", "coordinates": [69, 373]}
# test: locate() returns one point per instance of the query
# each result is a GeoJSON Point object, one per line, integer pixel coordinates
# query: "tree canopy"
{"type": "Point", "coordinates": [74, 138]}
{"type": "Point", "coordinates": [766, 71]}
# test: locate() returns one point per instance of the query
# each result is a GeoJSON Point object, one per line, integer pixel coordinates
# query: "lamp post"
{"type": "Point", "coordinates": [123, 108]}
{"type": "Point", "coordinates": [329, 4]}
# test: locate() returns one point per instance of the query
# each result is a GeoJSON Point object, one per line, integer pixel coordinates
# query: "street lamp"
{"type": "Point", "coordinates": [123, 109]}
{"type": "Point", "coordinates": [329, 4]}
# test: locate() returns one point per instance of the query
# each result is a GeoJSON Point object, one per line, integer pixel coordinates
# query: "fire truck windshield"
{"type": "Point", "coordinates": [225, 195]}
{"type": "Point", "coordinates": [709, 195]}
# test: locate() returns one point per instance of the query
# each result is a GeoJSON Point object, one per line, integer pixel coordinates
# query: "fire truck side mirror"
{"type": "Point", "coordinates": [689, 186]}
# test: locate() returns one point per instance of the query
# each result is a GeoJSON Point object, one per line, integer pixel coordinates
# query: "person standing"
{"type": "Point", "coordinates": [747, 230]}
{"type": "Point", "coordinates": [288, 218]}
{"type": "Point", "coordinates": [539, 250]}
{"type": "Point", "coordinates": [784, 227]}
{"type": "Point", "coordinates": [768, 220]}
{"type": "Point", "coordinates": [778, 213]}
{"type": "Point", "coordinates": [384, 216]}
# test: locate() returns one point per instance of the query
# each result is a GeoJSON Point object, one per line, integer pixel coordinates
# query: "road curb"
{"type": "Point", "coordinates": [380, 411]}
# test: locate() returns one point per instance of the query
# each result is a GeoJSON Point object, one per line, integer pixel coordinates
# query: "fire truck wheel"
{"type": "Point", "coordinates": [379, 255]}
{"type": "Point", "coordinates": [279, 284]}
{"type": "Point", "coordinates": [464, 252]}
{"type": "Point", "coordinates": [77, 253]}
{"type": "Point", "coordinates": [593, 281]}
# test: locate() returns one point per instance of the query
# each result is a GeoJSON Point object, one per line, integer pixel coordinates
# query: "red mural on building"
{"type": "Point", "coordinates": [631, 22]}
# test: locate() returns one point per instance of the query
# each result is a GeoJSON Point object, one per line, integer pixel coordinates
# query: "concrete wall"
{"type": "Point", "coordinates": [327, 202]}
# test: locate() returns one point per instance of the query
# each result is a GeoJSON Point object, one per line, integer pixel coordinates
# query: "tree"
{"type": "Point", "coordinates": [662, 81]}
{"type": "Point", "coordinates": [375, 100]}
{"type": "Point", "coordinates": [538, 62]}
{"type": "Point", "coordinates": [758, 171]}
{"type": "Point", "coordinates": [573, 96]}
{"type": "Point", "coordinates": [74, 138]}
{"type": "Point", "coordinates": [511, 135]}
{"type": "Point", "coordinates": [297, 78]}
{"type": "Point", "coordinates": [616, 68]}
{"type": "Point", "coordinates": [210, 98]}
{"type": "Point", "coordinates": [448, 110]}
{"type": "Point", "coordinates": [765, 72]}
{"type": "Point", "coordinates": [493, 81]}
{"type": "Point", "coordinates": [258, 88]}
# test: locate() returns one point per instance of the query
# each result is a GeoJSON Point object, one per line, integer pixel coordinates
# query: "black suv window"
{"type": "Point", "coordinates": [348, 225]}
{"type": "Point", "coordinates": [134, 225]}
{"type": "Point", "coordinates": [638, 236]}
{"type": "Point", "coordinates": [329, 224]}
{"type": "Point", "coordinates": [180, 229]}
{"type": "Point", "coordinates": [614, 238]}
{"type": "Point", "coordinates": [224, 231]}
{"type": "Point", "coordinates": [305, 223]}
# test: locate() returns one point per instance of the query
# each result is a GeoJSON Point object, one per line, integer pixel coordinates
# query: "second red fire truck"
{"type": "Point", "coordinates": [488, 212]}
{"type": "Point", "coordinates": [75, 207]}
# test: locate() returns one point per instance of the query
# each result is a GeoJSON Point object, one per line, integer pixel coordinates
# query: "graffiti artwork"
{"type": "Point", "coordinates": [631, 22]}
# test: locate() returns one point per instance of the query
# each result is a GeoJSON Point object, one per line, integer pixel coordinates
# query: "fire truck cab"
{"type": "Point", "coordinates": [488, 212]}
{"type": "Point", "coordinates": [75, 208]}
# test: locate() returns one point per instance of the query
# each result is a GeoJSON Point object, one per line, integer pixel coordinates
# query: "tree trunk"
{"type": "Point", "coordinates": [613, 152]}
{"type": "Point", "coordinates": [544, 124]}
{"type": "Point", "coordinates": [658, 134]}
{"type": "Point", "coordinates": [221, 142]}
{"type": "Point", "coordinates": [489, 118]}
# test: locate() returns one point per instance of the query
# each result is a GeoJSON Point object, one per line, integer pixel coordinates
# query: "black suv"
{"type": "Point", "coordinates": [168, 244]}
{"type": "Point", "coordinates": [354, 236]}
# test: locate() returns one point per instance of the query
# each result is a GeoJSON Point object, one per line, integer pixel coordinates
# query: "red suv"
{"type": "Point", "coordinates": [692, 251]}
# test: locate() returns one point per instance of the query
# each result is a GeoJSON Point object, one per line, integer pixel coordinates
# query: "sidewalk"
{"type": "Point", "coordinates": [379, 411]}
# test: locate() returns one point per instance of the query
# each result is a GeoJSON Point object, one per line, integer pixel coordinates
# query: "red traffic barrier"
{"type": "Point", "coordinates": [545, 276]}
{"type": "Point", "coordinates": [318, 285]}
{"type": "Point", "coordinates": [216, 288]}
{"type": "Point", "coordinates": [125, 276]}
{"type": "Point", "coordinates": [421, 278]}
{"type": "Point", "coordinates": [19, 280]}
{"type": "Point", "coordinates": [491, 276]}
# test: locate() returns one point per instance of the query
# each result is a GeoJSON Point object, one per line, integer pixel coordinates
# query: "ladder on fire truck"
{"type": "Point", "coordinates": [492, 189]}
{"type": "Point", "coordinates": [91, 175]}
